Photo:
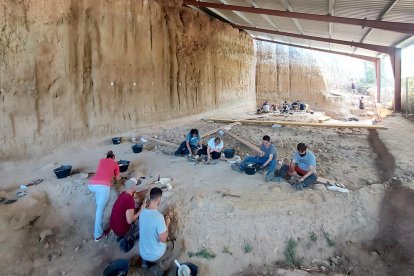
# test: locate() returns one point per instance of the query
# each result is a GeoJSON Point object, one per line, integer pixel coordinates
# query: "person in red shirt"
{"type": "Point", "coordinates": [123, 216]}
{"type": "Point", "coordinates": [100, 184]}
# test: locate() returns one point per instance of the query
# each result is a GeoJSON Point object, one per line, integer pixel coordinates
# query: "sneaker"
{"type": "Point", "coordinates": [299, 186]}
{"type": "Point", "coordinates": [106, 232]}
{"type": "Point", "coordinates": [236, 168]}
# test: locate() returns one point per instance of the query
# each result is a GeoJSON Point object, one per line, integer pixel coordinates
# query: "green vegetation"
{"type": "Point", "coordinates": [247, 248]}
{"type": "Point", "coordinates": [203, 253]}
{"type": "Point", "coordinates": [328, 239]}
{"type": "Point", "coordinates": [290, 253]}
{"type": "Point", "coordinates": [313, 237]}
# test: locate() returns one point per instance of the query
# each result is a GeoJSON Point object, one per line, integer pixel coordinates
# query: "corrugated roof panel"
{"type": "Point", "coordinates": [403, 11]}
{"type": "Point", "coordinates": [285, 24]}
{"type": "Point", "coordinates": [310, 6]}
{"type": "Point", "coordinates": [385, 38]}
{"type": "Point", "coordinates": [360, 9]}
{"type": "Point", "coordinates": [270, 4]}
{"type": "Point", "coordinates": [348, 32]}
{"type": "Point", "coordinates": [315, 28]}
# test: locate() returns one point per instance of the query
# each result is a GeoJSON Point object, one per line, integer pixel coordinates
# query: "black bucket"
{"type": "Point", "coordinates": [229, 153]}
{"type": "Point", "coordinates": [123, 165]}
{"type": "Point", "coordinates": [117, 140]}
{"type": "Point", "coordinates": [193, 268]}
{"type": "Point", "coordinates": [118, 267]}
{"type": "Point", "coordinates": [250, 170]}
{"type": "Point", "coordinates": [63, 171]}
{"type": "Point", "coordinates": [137, 148]}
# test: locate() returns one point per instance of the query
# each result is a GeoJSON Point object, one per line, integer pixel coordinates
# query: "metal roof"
{"type": "Point", "coordinates": [387, 11]}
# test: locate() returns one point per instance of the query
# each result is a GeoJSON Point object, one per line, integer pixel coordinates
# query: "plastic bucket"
{"type": "Point", "coordinates": [117, 140]}
{"type": "Point", "coordinates": [63, 171]}
{"type": "Point", "coordinates": [137, 148]}
{"type": "Point", "coordinates": [250, 170]}
{"type": "Point", "coordinates": [192, 267]}
{"type": "Point", "coordinates": [118, 267]}
{"type": "Point", "coordinates": [229, 153]}
{"type": "Point", "coordinates": [123, 165]}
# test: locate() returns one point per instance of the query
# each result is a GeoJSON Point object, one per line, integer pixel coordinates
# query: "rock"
{"type": "Point", "coordinates": [77, 248]}
{"type": "Point", "coordinates": [44, 233]}
{"type": "Point", "coordinates": [319, 187]}
{"type": "Point", "coordinates": [47, 245]}
{"type": "Point", "coordinates": [370, 181]}
{"type": "Point", "coordinates": [3, 194]}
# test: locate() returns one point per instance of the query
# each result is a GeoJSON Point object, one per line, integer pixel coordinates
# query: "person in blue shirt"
{"type": "Point", "coordinates": [303, 165]}
{"type": "Point", "coordinates": [266, 158]}
{"type": "Point", "coordinates": [190, 145]}
{"type": "Point", "coordinates": [154, 248]}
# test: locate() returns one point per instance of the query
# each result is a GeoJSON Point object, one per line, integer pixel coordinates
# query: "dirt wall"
{"type": "Point", "coordinates": [289, 73]}
{"type": "Point", "coordinates": [80, 68]}
{"type": "Point", "coordinates": [286, 73]}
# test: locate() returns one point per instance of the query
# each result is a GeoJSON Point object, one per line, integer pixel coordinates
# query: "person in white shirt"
{"type": "Point", "coordinates": [213, 149]}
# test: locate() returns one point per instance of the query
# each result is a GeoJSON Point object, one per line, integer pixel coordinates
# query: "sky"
{"type": "Point", "coordinates": [407, 62]}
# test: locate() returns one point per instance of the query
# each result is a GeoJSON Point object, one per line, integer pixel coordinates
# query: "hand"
{"type": "Point", "coordinates": [301, 179]}
{"type": "Point", "coordinates": [208, 157]}
{"type": "Point", "coordinates": [189, 155]}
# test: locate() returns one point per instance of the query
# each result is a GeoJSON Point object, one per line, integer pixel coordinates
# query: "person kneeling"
{"type": "Point", "coordinates": [213, 149]}
{"type": "Point", "coordinates": [191, 143]}
{"type": "Point", "coordinates": [303, 165]}
{"type": "Point", "coordinates": [153, 231]}
{"type": "Point", "coordinates": [123, 217]}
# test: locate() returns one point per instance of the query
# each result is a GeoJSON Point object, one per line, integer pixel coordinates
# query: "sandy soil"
{"type": "Point", "coordinates": [324, 224]}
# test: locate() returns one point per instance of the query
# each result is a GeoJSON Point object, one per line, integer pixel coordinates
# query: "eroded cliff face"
{"type": "Point", "coordinates": [79, 68]}
{"type": "Point", "coordinates": [286, 73]}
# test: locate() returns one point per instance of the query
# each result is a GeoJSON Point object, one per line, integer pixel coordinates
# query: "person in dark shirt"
{"type": "Point", "coordinates": [123, 217]}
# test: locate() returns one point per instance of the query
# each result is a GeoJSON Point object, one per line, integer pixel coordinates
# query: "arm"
{"type": "Point", "coordinates": [163, 236]}
{"type": "Point", "coordinates": [188, 147]}
{"type": "Point", "coordinates": [131, 217]}
{"type": "Point", "coordinates": [268, 160]}
{"type": "Point", "coordinates": [116, 172]}
{"type": "Point", "coordinates": [209, 151]}
{"type": "Point", "coordinates": [312, 170]}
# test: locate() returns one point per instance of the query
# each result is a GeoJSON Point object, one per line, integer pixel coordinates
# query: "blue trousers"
{"type": "Point", "coordinates": [260, 161]}
{"type": "Point", "coordinates": [101, 198]}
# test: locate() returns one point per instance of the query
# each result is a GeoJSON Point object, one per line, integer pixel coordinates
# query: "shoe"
{"type": "Point", "coordinates": [106, 232]}
{"type": "Point", "coordinates": [269, 178]}
{"type": "Point", "coordinates": [236, 168]}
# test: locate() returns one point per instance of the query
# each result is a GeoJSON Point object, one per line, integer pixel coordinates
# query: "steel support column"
{"type": "Point", "coordinates": [396, 69]}
{"type": "Point", "coordinates": [378, 77]}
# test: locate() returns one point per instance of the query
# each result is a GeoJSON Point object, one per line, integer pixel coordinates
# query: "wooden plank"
{"type": "Point", "coordinates": [241, 140]}
{"type": "Point", "coordinates": [285, 123]}
{"type": "Point", "coordinates": [162, 142]}
{"type": "Point", "coordinates": [323, 119]}
{"type": "Point", "coordinates": [224, 127]}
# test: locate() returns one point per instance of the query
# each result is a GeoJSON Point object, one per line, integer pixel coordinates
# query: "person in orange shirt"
{"type": "Point", "coordinates": [100, 184]}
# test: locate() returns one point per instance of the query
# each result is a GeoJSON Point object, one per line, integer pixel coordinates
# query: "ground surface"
{"type": "Point", "coordinates": [248, 235]}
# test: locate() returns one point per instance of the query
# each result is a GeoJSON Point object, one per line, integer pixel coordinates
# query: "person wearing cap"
{"type": "Point", "coordinates": [153, 233]}
{"type": "Point", "coordinates": [303, 166]}
{"type": "Point", "coordinates": [100, 184]}
{"type": "Point", "coordinates": [123, 217]}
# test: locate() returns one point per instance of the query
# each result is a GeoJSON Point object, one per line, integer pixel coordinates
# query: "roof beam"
{"type": "Point", "coordinates": [372, 47]}
{"type": "Point", "coordinates": [331, 11]}
{"type": "Point", "coordinates": [287, 6]}
{"type": "Point", "coordinates": [367, 58]}
{"type": "Point", "coordinates": [383, 13]}
{"type": "Point", "coordinates": [390, 26]}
